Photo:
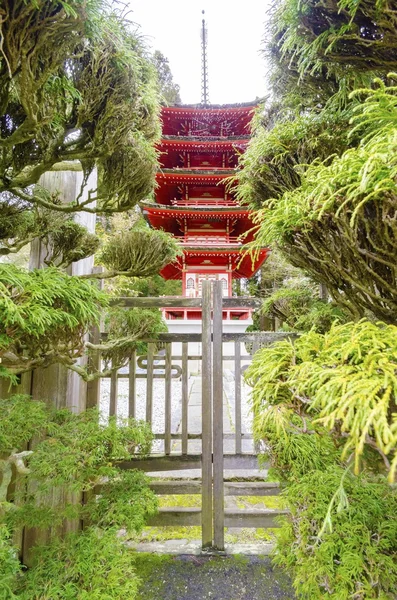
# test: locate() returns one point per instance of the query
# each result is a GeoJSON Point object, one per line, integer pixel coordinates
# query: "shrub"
{"type": "Point", "coordinates": [93, 565]}
{"type": "Point", "coordinates": [10, 567]}
{"type": "Point", "coordinates": [340, 540]}
{"type": "Point", "coordinates": [341, 384]}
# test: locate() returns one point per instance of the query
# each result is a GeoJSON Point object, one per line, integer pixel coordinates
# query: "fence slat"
{"type": "Point", "coordinates": [167, 407]}
{"type": "Point", "coordinates": [149, 383]}
{"type": "Point", "coordinates": [237, 394]}
{"type": "Point", "coordinates": [176, 462]}
{"type": "Point", "coordinates": [132, 386]}
{"type": "Point", "coordinates": [185, 396]}
{"type": "Point", "coordinates": [113, 394]}
{"type": "Point", "coordinates": [206, 412]}
{"type": "Point", "coordinates": [217, 434]}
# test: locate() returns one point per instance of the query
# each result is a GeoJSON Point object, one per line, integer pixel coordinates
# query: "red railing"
{"type": "Point", "coordinates": [214, 240]}
{"type": "Point", "coordinates": [211, 202]}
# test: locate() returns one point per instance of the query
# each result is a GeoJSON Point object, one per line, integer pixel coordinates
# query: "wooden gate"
{"type": "Point", "coordinates": [175, 453]}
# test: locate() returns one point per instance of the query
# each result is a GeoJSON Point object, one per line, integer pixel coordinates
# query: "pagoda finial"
{"type": "Point", "coordinates": [204, 63]}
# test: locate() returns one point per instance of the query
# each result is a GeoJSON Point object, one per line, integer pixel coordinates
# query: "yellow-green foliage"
{"type": "Point", "coordinates": [354, 554]}
{"type": "Point", "coordinates": [343, 382]}
{"type": "Point", "coordinates": [339, 223]}
{"type": "Point", "coordinates": [45, 315]}
{"type": "Point", "coordinates": [92, 565]}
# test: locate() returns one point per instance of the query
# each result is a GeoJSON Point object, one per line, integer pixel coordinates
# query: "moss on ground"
{"type": "Point", "coordinates": [270, 502]}
{"type": "Point", "coordinates": [167, 577]}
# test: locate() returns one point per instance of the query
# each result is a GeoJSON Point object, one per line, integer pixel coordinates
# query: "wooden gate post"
{"type": "Point", "coordinates": [219, 506]}
{"type": "Point", "coordinates": [206, 408]}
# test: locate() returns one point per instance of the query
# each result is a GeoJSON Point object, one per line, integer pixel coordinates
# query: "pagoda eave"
{"type": "Point", "coordinates": [181, 211]}
{"type": "Point", "coordinates": [180, 176]}
{"type": "Point", "coordinates": [244, 265]}
{"type": "Point", "coordinates": [208, 144]}
{"type": "Point", "coordinates": [187, 110]}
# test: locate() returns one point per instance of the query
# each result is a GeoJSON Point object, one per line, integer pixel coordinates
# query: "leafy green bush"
{"type": "Point", "coordinates": [44, 315]}
{"type": "Point", "coordinates": [127, 327]}
{"type": "Point", "coordinates": [92, 565]}
{"type": "Point", "coordinates": [324, 406]}
{"type": "Point", "coordinates": [340, 540]}
{"type": "Point", "coordinates": [76, 452]}
{"type": "Point", "coordinates": [73, 454]}
{"type": "Point", "coordinates": [10, 567]}
{"type": "Point", "coordinates": [139, 252]}
{"type": "Point", "coordinates": [339, 224]}
{"type": "Point", "coordinates": [340, 385]}
{"type": "Point", "coordinates": [300, 308]}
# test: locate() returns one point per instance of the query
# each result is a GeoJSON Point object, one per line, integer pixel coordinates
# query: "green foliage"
{"type": "Point", "coordinates": [343, 382]}
{"type": "Point", "coordinates": [169, 90]}
{"type": "Point", "coordinates": [21, 419]}
{"type": "Point", "coordinates": [153, 286]}
{"type": "Point", "coordinates": [339, 223]}
{"type": "Point", "coordinates": [338, 40]}
{"type": "Point", "coordinates": [92, 565]}
{"type": "Point", "coordinates": [72, 453]}
{"type": "Point", "coordinates": [9, 565]}
{"type": "Point", "coordinates": [355, 555]}
{"type": "Point", "coordinates": [79, 450]}
{"type": "Point", "coordinates": [85, 95]}
{"type": "Point", "coordinates": [270, 164]}
{"type": "Point", "coordinates": [44, 317]}
{"type": "Point", "coordinates": [124, 503]}
{"type": "Point", "coordinates": [127, 327]}
{"type": "Point", "coordinates": [299, 307]}
{"type": "Point", "coordinates": [324, 402]}
{"type": "Point", "coordinates": [139, 252]}
{"type": "Point", "coordinates": [321, 167]}
{"type": "Point", "coordinates": [70, 242]}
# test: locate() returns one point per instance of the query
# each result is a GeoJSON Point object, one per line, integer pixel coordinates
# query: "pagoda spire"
{"type": "Point", "coordinates": [204, 63]}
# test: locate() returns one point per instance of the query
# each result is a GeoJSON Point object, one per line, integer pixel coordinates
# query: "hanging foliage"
{"type": "Point", "coordinates": [139, 252]}
{"type": "Point", "coordinates": [339, 224]}
{"type": "Point", "coordinates": [75, 85]}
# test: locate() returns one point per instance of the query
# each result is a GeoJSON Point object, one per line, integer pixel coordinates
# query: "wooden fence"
{"type": "Point", "coordinates": [175, 453]}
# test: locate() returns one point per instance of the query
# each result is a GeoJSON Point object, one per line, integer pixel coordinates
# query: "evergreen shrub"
{"type": "Point", "coordinates": [325, 408]}
{"type": "Point", "coordinates": [340, 540]}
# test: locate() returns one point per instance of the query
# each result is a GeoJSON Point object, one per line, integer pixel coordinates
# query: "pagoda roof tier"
{"type": "Point", "coordinates": [207, 121]}
{"type": "Point", "coordinates": [222, 258]}
{"type": "Point", "coordinates": [209, 143]}
{"type": "Point", "coordinates": [188, 109]}
{"type": "Point", "coordinates": [203, 211]}
{"type": "Point", "coordinates": [203, 221]}
{"type": "Point", "coordinates": [222, 172]}
{"type": "Point", "coordinates": [193, 176]}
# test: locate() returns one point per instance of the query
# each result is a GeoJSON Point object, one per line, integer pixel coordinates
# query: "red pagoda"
{"type": "Point", "coordinates": [199, 150]}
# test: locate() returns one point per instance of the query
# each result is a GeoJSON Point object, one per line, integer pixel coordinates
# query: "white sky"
{"type": "Point", "coordinates": [237, 71]}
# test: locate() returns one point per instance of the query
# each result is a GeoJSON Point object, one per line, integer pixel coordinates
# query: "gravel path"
{"type": "Point", "coordinates": [158, 404]}
{"type": "Point", "coordinates": [176, 403]}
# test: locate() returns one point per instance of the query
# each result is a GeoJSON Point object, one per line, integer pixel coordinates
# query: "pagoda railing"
{"type": "Point", "coordinates": [209, 138]}
{"type": "Point", "coordinates": [198, 240]}
{"type": "Point", "coordinates": [204, 202]}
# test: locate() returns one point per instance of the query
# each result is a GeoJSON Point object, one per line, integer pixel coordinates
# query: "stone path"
{"type": "Point", "coordinates": [211, 578]}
